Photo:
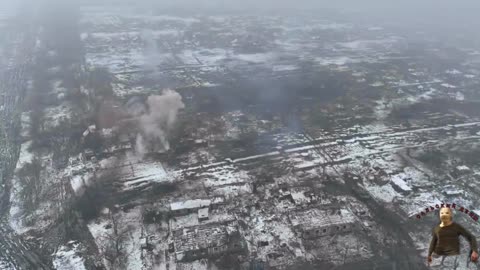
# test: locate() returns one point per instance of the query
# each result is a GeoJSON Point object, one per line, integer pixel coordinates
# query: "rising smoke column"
{"type": "Point", "coordinates": [158, 122]}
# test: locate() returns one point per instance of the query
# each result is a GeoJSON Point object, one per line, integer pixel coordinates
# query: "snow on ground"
{"type": "Point", "coordinates": [452, 262]}
{"type": "Point", "coordinates": [294, 47]}
{"type": "Point", "coordinates": [232, 191]}
{"type": "Point", "coordinates": [4, 265]}
{"type": "Point", "coordinates": [98, 230]}
{"type": "Point", "coordinates": [376, 127]}
{"type": "Point", "coordinates": [368, 44]}
{"type": "Point", "coordinates": [317, 26]}
{"type": "Point", "coordinates": [57, 88]}
{"type": "Point", "coordinates": [219, 19]}
{"type": "Point", "coordinates": [67, 258]}
{"type": "Point", "coordinates": [384, 106]}
{"type": "Point", "coordinates": [447, 85]}
{"type": "Point", "coordinates": [377, 84]}
{"type": "Point", "coordinates": [339, 60]}
{"type": "Point", "coordinates": [15, 208]}
{"type": "Point", "coordinates": [209, 84]}
{"type": "Point", "coordinates": [16, 202]}
{"type": "Point", "coordinates": [419, 201]}
{"type": "Point", "coordinates": [453, 71]}
{"type": "Point", "coordinates": [118, 62]}
{"type": "Point", "coordinates": [122, 90]}
{"type": "Point", "coordinates": [105, 37]}
{"type": "Point", "coordinates": [188, 57]}
{"type": "Point", "coordinates": [163, 18]}
{"type": "Point", "coordinates": [285, 139]}
{"type": "Point", "coordinates": [100, 19]}
{"type": "Point", "coordinates": [130, 228]}
{"type": "Point", "coordinates": [152, 170]}
{"type": "Point", "coordinates": [429, 94]}
{"type": "Point", "coordinates": [256, 58]}
{"type": "Point", "coordinates": [332, 26]}
{"type": "Point", "coordinates": [25, 123]}
{"type": "Point", "coordinates": [459, 96]}
{"type": "Point", "coordinates": [25, 155]}
{"type": "Point", "coordinates": [403, 83]}
{"type": "Point", "coordinates": [195, 265]}
{"type": "Point", "coordinates": [384, 193]}
{"type": "Point", "coordinates": [135, 171]}
{"type": "Point", "coordinates": [166, 32]}
{"type": "Point", "coordinates": [232, 130]}
{"type": "Point", "coordinates": [415, 176]}
{"type": "Point", "coordinates": [225, 175]}
{"type": "Point", "coordinates": [133, 247]}
{"type": "Point", "coordinates": [54, 116]}
{"type": "Point", "coordinates": [44, 211]}
{"type": "Point", "coordinates": [302, 165]}
{"type": "Point", "coordinates": [212, 56]}
{"type": "Point", "coordinates": [43, 214]}
{"type": "Point", "coordinates": [269, 229]}
{"type": "Point", "coordinates": [278, 68]}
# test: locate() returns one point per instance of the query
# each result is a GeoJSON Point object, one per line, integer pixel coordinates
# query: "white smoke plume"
{"type": "Point", "coordinates": [157, 123]}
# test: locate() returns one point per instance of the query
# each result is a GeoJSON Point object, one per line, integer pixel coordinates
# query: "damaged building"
{"type": "Point", "coordinates": [314, 222]}
{"type": "Point", "coordinates": [190, 206]}
{"type": "Point", "coordinates": [211, 240]}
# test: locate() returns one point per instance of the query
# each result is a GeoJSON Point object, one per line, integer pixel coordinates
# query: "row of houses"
{"type": "Point", "coordinates": [212, 239]}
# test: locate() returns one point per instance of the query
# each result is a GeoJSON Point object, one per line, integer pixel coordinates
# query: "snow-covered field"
{"type": "Point", "coordinates": [204, 58]}
{"type": "Point", "coordinates": [67, 257]}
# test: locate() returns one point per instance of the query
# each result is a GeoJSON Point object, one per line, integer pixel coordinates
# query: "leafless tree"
{"type": "Point", "coordinates": [30, 179]}
{"type": "Point", "coordinates": [113, 247]}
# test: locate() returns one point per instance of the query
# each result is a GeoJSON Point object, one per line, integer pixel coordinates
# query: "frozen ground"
{"type": "Point", "coordinates": [329, 113]}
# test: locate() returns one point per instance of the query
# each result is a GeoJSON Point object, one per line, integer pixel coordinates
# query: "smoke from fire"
{"type": "Point", "coordinates": [156, 124]}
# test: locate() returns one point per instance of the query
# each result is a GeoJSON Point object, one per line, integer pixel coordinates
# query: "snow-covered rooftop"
{"type": "Point", "coordinates": [463, 168]}
{"type": "Point", "coordinates": [399, 182]}
{"type": "Point", "coordinates": [315, 218]}
{"type": "Point", "coordinates": [203, 213]}
{"type": "Point", "coordinates": [190, 204]}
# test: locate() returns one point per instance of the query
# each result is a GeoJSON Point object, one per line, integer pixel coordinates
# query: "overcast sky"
{"type": "Point", "coordinates": [442, 15]}
{"type": "Point", "coordinates": [363, 5]}
{"type": "Point", "coordinates": [457, 7]}
{"type": "Point", "coordinates": [443, 12]}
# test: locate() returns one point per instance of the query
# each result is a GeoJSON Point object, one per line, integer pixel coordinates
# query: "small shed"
{"type": "Point", "coordinates": [202, 214]}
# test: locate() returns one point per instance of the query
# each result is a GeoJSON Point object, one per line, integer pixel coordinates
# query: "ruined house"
{"type": "Point", "coordinates": [205, 241]}
{"type": "Point", "coordinates": [189, 206]}
{"type": "Point", "coordinates": [315, 222]}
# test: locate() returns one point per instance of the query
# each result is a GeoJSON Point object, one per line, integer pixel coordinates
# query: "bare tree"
{"type": "Point", "coordinates": [30, 179]}
{"type": "Point", "coordinates": [113, 243]}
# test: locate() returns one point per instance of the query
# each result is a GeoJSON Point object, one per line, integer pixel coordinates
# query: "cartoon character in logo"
{"type": "Point", "coordinates": [445, 238]}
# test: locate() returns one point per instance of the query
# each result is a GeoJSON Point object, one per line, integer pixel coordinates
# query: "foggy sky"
{"type": "Point", "coordinates": [403, 8]}
{"type": "Point", "coordinates": [436, 11]}
{"type": "Point", "coordinates": [442, 15]}
{"type": "Point", "coordinates": [454, 6]}
{"type": "Point", "coordinates": [447, 17]}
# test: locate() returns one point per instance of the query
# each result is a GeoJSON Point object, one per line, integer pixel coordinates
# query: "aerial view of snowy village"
{"type": "Point", "coordinates": [175, 137]}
